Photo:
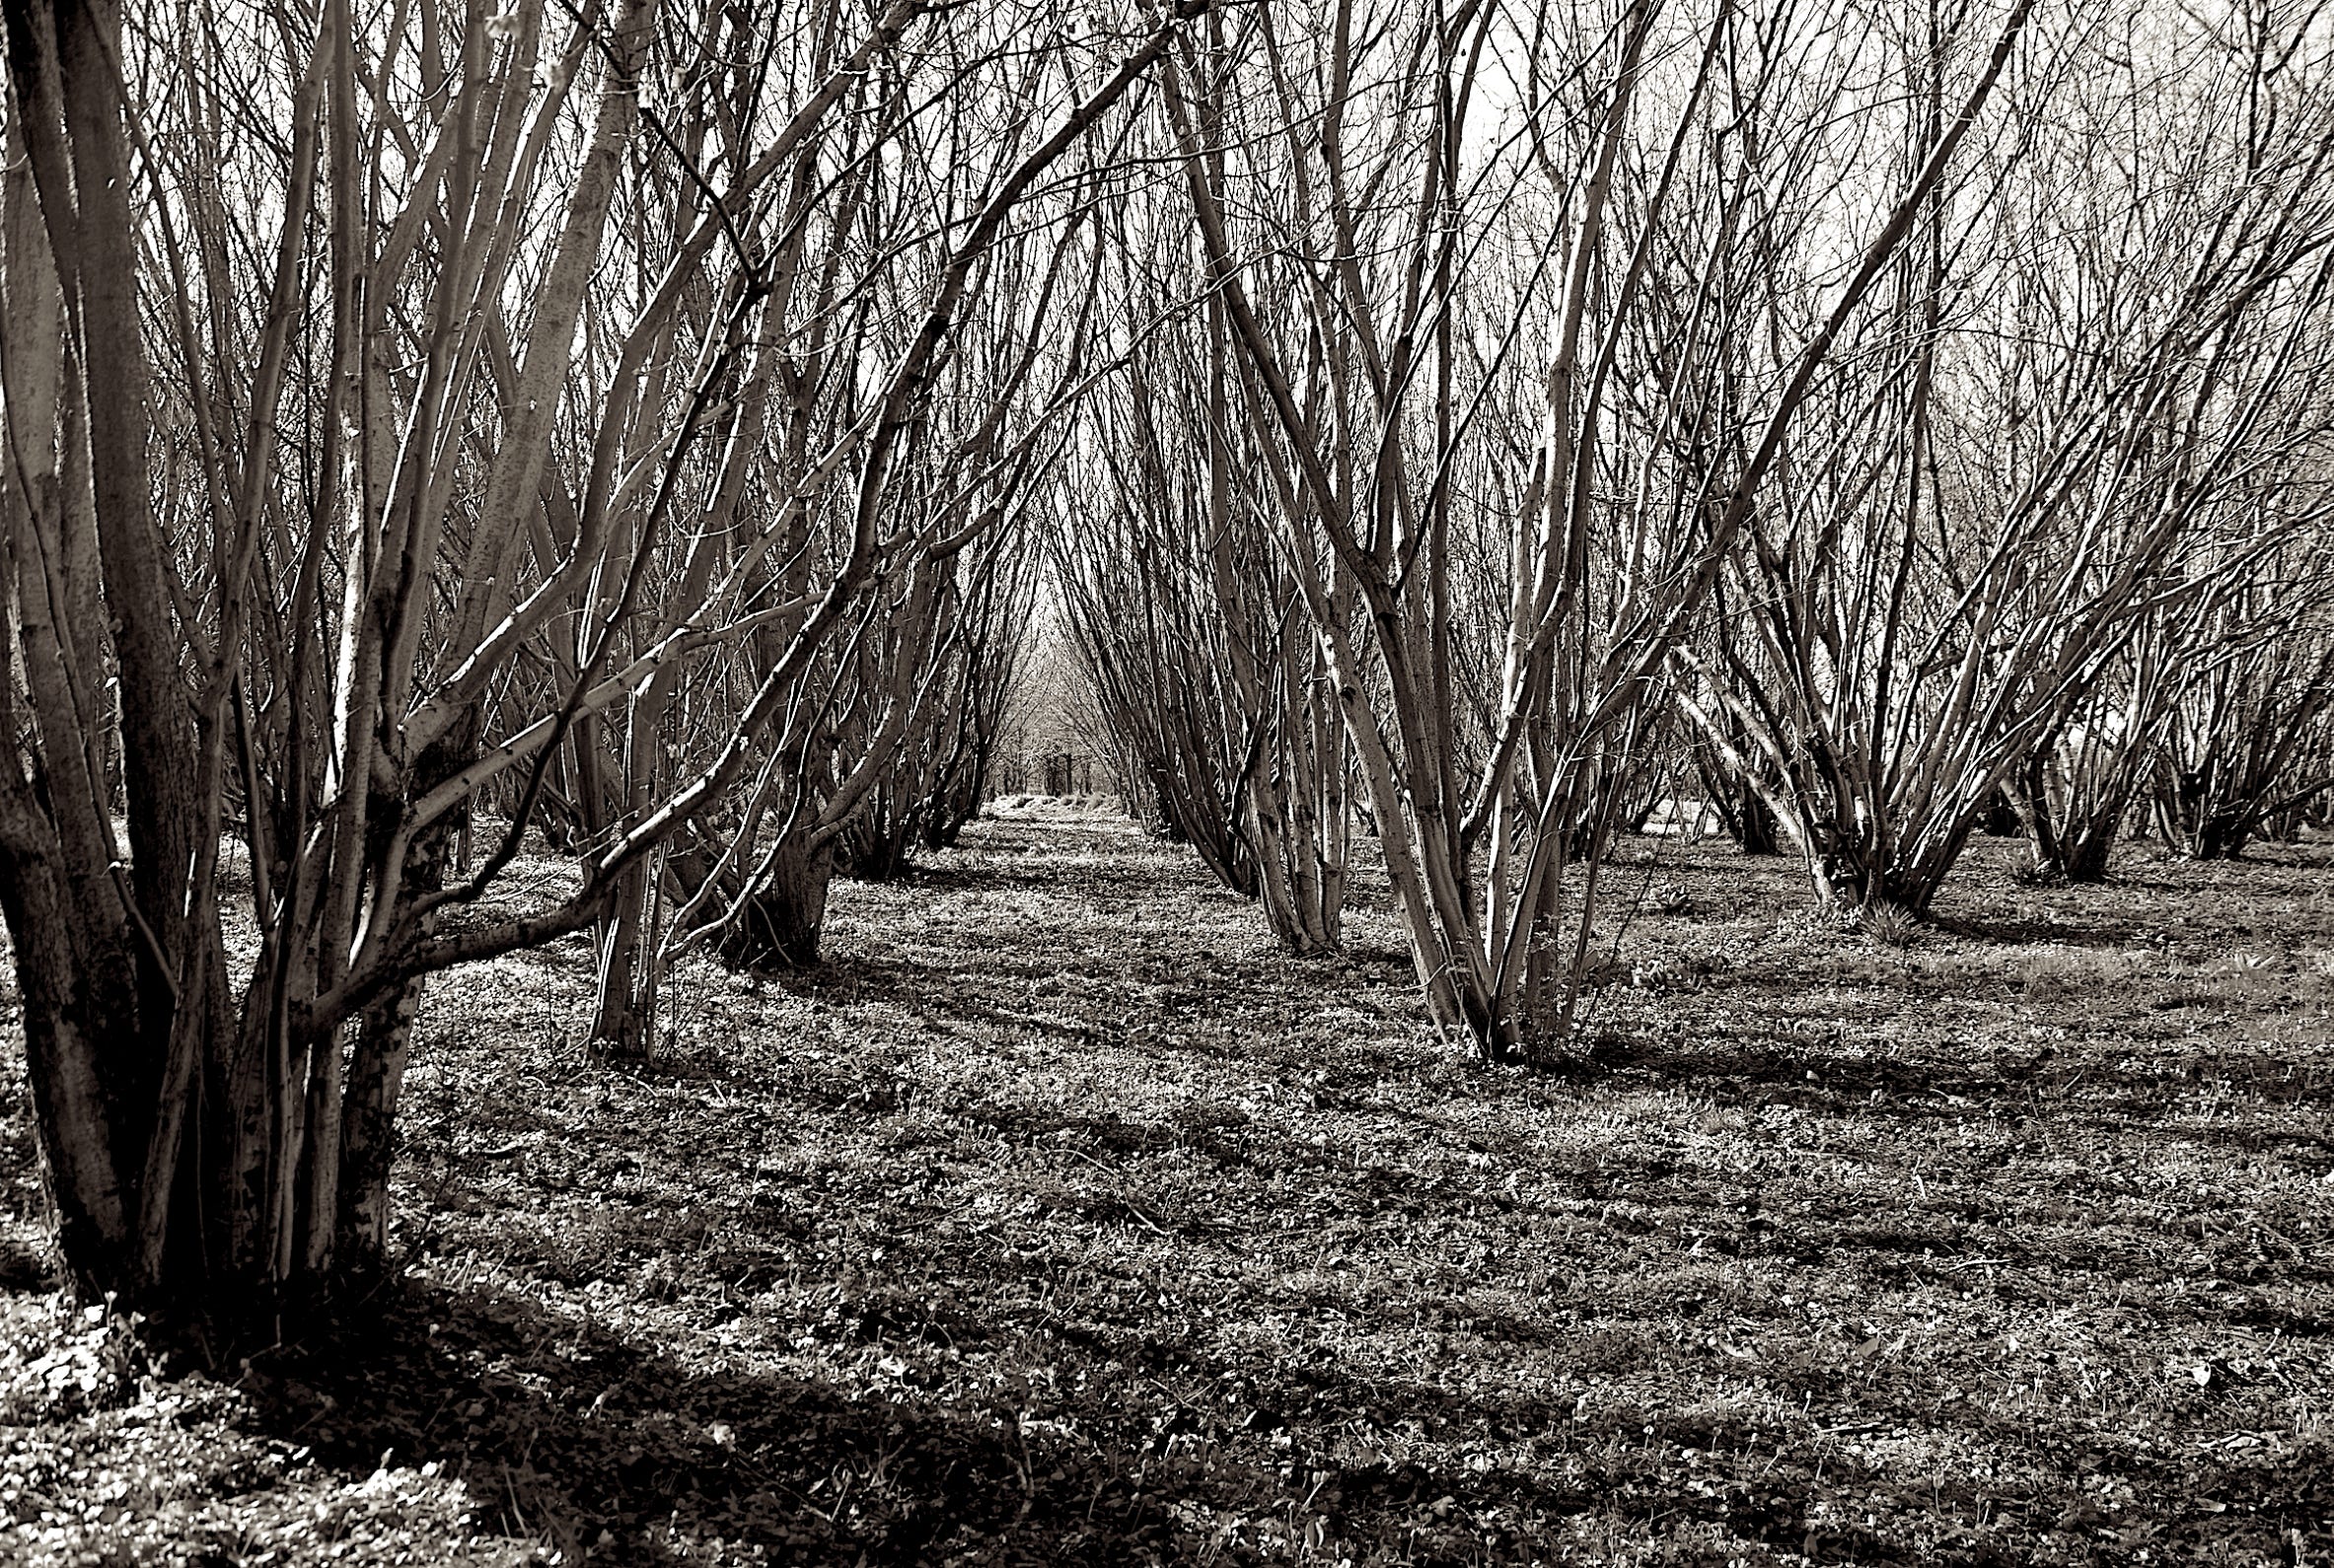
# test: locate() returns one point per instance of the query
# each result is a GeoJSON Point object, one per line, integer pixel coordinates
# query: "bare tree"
{"type": "Point", "coordinates": [937, 778]}
{"type": "Point", "coordinates": [1147, 645]}
{"type": "Point", "coordinates": [314, 512]}
{"type": "Point", "coordinates": [2020, 465]}
{"type": "Point", "coordinates": [756, 873]}
{"type": "Point", "coordinates": [1190, 629]}
{"type": "Point", "coordinates": [2210, 716]}
{"type": "Point", "coordinates": [2245, 720]}
{"type": "Point", "coordinates": [1346, 178]}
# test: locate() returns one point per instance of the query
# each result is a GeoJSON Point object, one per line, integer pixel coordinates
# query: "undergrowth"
{"type": "Point", "coordinates": [1061, 1219]}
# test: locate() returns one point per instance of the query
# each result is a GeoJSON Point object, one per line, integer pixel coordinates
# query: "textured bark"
{"type": "Point", "coordinates": [780, 924]}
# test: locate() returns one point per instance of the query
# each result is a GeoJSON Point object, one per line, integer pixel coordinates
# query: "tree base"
{"type": "Point", "coordinates": [781, 924]}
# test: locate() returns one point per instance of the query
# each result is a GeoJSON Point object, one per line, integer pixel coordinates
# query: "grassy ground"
{"type": "Point", "coordinates": [1062, 1220]}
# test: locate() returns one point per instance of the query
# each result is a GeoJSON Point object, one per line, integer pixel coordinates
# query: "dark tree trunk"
{"type": "Point", "coordinates": [2083, 856]}
{"type": "Point", "coordinates": [1742, 811]}
{"type": "Point", "coordinates": [624, 1007]}
{"type": "Point", "coordinates": [875, 846]}
{"type": "Point", "coordinates": [1755, 831]}
{"type": "Point", "coordinates": [781, 921]}
{"type": "Point", "coordinates": [2001, 818]}
{"type": "Point", "coordinates": [2203, 816]}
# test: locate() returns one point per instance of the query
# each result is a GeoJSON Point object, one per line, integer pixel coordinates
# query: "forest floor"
{"type": "Point", "coordinates": [1061, 1219]}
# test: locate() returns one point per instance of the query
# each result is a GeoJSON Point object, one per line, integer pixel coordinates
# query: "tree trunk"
{"type": "Point", "coordinates": [1755, 831]}
{"type": "Point", "coordinates": [623, 1015]}
{"type": "Point", "coordinates": [780, 922]}
{"type": "Point", "coordinates": [368, 1133]}
{"type": "Point", "coordinates": [2001, 819]}
{"type": "Point", "coordinates": [2083, 853]}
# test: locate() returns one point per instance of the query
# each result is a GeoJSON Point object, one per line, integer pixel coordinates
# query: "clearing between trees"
{"type": "Point", "coordinates": [1064, 1218]}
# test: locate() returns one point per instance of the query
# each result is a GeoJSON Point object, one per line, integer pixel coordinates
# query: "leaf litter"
{"type": "Point", "coordinates": [1061, 1219]}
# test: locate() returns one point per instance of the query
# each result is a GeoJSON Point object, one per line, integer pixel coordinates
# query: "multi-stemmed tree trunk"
{"type": "Point", "coordinates": [963, 435]}
{"type": "Point", "coordinates": [2040, 447]}
{"type": "Point", "coordinates": [755, 875]}
{"type": "Point", "coordinates": [1202, 663]}
{"type": "Point", "coordinates": [972, 738]}
{"type": "Point", "coordinates": [369, 307]}
{"type": "Point", "coordinates": [1293, 758]}
{"type": "Point", "coordinates": [758, 889]}
{"type": "Point", "coordinates": [2244, 736]}
{"type": "Point", "coordinates": [2081, 786]}
{"type": "Point", "coordinates": [1481, 459]}
{"type": "Point", "coordinates": [1147, 646]}
{"type": "Point", "coordinates": [216, 1154]}
{"type": "Point", "coordinates": [1737, 799]}
{"type": "Point", "coordinates": [934, 781]}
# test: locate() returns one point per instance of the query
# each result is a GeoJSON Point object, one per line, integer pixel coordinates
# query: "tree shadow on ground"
{"type": "Point", "coordinates": [571, 1434]}
{"type": "Point", "coordinates": [576, 1436]}
{"type": "Point", "coordinates": [1844, 1076]}
{"type": "Point", "coordinates": [2096, 930]}
{"type": "Point", "coordinates": [922, 875]}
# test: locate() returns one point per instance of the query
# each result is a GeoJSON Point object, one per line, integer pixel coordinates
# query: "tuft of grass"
{"type": "Point", "coordinates": [2057, 971]}
{"type": "Point", "coordinates": [1890, 924]}
{"type": "Point", "coordinates": [2028, 871]}
{"type": "Point", "coordinates": [2244, 960]}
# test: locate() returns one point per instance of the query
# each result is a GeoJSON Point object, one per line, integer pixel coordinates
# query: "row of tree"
{"type": "Point", "coordinates": [642, 432]}
{"type": "Point", "coordinates": [433, 425]}
{"type": "Point", "coordinates": [1870, 428]}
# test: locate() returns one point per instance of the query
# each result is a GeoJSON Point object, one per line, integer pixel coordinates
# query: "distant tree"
{"type": "Point", "coordinates": [2243, 738]}
{"type": "Point", "coordinates": [938, 776]}
{"type": "Point", "coordinates": [1204, 667]}
{"type": "Point", "coordinates": [2044, 441]}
